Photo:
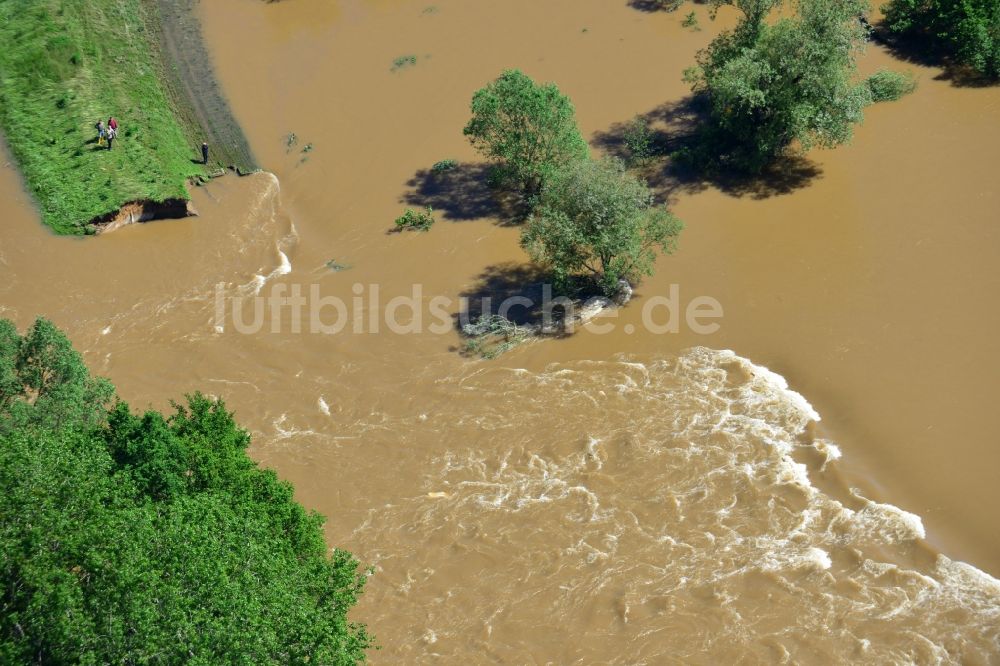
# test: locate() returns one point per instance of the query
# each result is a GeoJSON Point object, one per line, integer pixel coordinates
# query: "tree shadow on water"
{"type": "Point", "coordinates": [514, 291]}
{"type": "Point", "coordinates": [651, 6]}
{"type": "Point", "coordinates": [524, 299]}
{"type": "Point", "coordinates": [675, 130]}
{"type": "Point", "coordinates": [462, 193]}
{"type": "Point", "coordinates": [926, 51]}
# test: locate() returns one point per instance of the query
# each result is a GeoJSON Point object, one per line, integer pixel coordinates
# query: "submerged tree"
{"type": "Point", "coordinates": [967, 30]}
{"type": "Point", "coordinates": [530, 129]}
{"type": "Point", "coordinates": [147, 538]}
{"type": "Point", "coordinates": [595, 220]}
{"type": "Point", "coordinates": [774, 85]}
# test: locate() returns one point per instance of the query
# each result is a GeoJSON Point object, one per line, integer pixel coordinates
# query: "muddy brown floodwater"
{"type": "Point", "coordinates": [629, 497]}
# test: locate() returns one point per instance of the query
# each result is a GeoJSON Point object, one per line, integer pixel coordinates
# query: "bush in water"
{"type": "Point", "coordinates": [411, 219]}
{"type": "Point", "coordinates": [888, 86]}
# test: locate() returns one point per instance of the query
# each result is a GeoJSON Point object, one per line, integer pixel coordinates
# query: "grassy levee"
{"type": "Point", "coordinates": [64, 65]}
{"type": "Point", "coordinates": [199, 99]}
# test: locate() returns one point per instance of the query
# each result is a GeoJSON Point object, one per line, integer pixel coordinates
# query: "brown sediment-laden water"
{"type": "Point", "coordinates": [824, 492]}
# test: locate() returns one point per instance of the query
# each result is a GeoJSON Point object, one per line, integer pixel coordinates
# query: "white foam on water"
{"type": "Point", "coordinates": [267, 217]}
{"type": "Point", "coordinates": [323, 407]}
{"type": "Point", "coordinates": [288, 432]}
{"type": "Point", "coordinates": [819, 557]}
{"type": "Point", "coordinates": [257, 282]}
{"type": "Point", "coordinates": [671, 485]}
{"type": "Point", "coordinates": [903, 524]}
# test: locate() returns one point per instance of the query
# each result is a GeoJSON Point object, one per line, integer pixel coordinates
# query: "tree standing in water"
{"type": "Point", "coordinates": [594, 220]}
{"type": "Point", "coordinates": [530, 129]}
{"type": "Point", "coordinates": [772, 86]}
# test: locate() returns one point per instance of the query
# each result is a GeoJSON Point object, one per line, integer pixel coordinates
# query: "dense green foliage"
{"type": "Point", "coordinates": [64, 65]}
{"type": "Point", "coordinates": [530, 129]}
{"type": "Point", "coordinates": [776, 85]}
{"type": "Point", "coordinates": [968, 30]}
{"type": "Point", "coordinates": [128, 539]}
{"type": "Point", "coordinates": [593, 219]}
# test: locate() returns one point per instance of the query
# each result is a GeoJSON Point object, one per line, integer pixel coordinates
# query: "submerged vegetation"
{"type": "Point", "coordinates": [403, 61]}
{"type": "Point", "coordinates": [492, 335]}
{"type": "Point", "coordinates": [149, 538]}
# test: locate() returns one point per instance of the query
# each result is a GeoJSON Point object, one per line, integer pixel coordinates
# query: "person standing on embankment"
{"type": "Point", "coordinates": [204, 152]}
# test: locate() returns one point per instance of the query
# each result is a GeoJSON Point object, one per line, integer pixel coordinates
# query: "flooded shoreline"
{"type": "Point", "coordinates": [868, 290]}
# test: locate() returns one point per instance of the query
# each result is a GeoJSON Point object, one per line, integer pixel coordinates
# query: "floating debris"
{"type": "Point", "coordinates": [336, 266]}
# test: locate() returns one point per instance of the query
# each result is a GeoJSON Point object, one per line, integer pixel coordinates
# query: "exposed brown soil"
{"type": "Point", "coordinates": [143, 211]}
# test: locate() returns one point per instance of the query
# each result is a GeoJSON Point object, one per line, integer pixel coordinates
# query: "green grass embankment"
{"type": "Point", "coordinates": [65, 64]}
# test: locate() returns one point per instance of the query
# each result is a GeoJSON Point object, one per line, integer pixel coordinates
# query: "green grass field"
{"type": "Point", "coordinates": [65, 64]}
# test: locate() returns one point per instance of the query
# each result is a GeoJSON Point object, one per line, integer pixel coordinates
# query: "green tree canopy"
{"type": "Point", "coordinates": [968, 30]}
{"type": "Point", "coordinates": [774, 85]}
{"type": "Point", "coordinates": [596, 220]}
{"type": "Point", "coordinates": [147, 538]}
{"type": "Point", "coordinates": [530, 129]}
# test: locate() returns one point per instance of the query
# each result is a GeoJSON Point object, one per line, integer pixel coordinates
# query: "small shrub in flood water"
{"type": "Point", "coordinates": [638, 139]}
{"type": "Point", "coordinates": [444, 165]}
{"type": "Point", "coordinates": [691, 21]}
{"type": "Point", "coordinates": [888, 86]}
{"type": "Point", "coordinates": [404, 61]}
{"type": "Point", "coordinates": [411, 219]}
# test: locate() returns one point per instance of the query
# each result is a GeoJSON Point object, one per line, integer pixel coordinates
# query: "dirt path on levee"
{"type": "Point", "coordinates": [199, 99]}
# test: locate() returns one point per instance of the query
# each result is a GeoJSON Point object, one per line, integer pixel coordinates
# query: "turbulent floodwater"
{"type": "Point", "coordinates": [657, 512]}
{"type": "Point", "coordinates": [622, 498]}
